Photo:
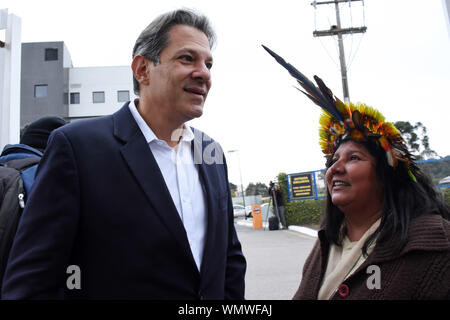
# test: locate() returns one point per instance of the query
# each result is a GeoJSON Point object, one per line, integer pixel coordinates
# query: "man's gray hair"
{"type": "Point", "coordinates": [155, 37]}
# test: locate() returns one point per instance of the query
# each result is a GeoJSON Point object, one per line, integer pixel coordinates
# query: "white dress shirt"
{"type": "Point", "coordinates": [182, 180]}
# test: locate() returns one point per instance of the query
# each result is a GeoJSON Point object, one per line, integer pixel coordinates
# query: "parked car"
{"type": "Point", "coordinates": [248, 211]}
{"type": "Point", "coordinates": [240, 211]}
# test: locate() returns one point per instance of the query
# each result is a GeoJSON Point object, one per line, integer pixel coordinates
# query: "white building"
{"type": "Point", "coordinates": [98, 91]}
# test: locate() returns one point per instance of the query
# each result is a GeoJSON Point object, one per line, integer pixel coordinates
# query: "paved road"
{"type": "Point", "coordinates": [274, 261]}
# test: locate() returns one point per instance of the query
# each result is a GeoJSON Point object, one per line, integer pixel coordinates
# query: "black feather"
{"type": "Point", "coordinates": [322, 96]}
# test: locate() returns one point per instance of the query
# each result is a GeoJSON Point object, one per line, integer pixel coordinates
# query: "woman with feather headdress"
{"type": "Point", "coordinates": [386, 229]}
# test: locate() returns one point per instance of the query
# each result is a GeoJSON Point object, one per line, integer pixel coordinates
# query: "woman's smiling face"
{"type": "Point", "coordinates": [352, 180]}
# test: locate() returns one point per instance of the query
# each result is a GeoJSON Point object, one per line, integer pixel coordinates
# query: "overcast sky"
{"type": "Point", "coordinates": [400, 66]}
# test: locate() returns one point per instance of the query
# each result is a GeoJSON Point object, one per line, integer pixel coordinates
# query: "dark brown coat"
{"type": "Point", "coordinates": [420, 271]}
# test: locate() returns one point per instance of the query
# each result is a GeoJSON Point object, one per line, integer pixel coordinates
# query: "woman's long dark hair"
{"type": "Point", "coordinates": [403, 200]}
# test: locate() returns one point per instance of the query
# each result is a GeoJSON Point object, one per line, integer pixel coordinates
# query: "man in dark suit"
{"type": "Point", "coordinates": [135, 205]}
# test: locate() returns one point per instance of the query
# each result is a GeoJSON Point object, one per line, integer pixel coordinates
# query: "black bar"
{"type": "Point", "coordinates": [330, 2]}
{"type": "Point", "coordinates": [338, 31]}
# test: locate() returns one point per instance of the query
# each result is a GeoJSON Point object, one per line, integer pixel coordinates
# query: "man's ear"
{"type": "Point", "coordinates": [140, 67]}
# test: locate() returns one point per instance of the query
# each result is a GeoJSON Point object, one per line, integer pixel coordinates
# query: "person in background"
{"type": "Point", "coordinates": [386, 229]}
{"type": "Point", "coordinates": [18, 165]}
{"type": "Point", "coordinates": [136, 205]}
{"type": "Point", "coordinates": [277, 196]}
{"type": "Point", "coordinates": [33, 141]}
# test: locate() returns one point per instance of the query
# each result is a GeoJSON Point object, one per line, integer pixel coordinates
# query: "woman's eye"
{"type": "Point", "coordinates": [354, 157]}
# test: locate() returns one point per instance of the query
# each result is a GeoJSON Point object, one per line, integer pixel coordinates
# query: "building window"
{"type": "Point", "coordinates": [74, 98]}
{"type": "Point", "coordinates": [98, 97]}
{"type": "Point", "coordinates": [40, 90]}
{"type": "Point", "coordinates": [51, 54]}
{"type": "Point", "coordinates": [123, 95]}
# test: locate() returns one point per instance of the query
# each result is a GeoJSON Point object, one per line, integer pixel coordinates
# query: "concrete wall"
{"type": "Point", "coordinates": [63, 79]}
{"type": "Point", "coordinates": [249, 200]}
{"type": "Point", "coordinates": [37, 71]}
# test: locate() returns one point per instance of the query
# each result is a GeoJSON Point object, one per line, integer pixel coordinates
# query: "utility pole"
{"type": "Point", "coordinates": [337, 30]}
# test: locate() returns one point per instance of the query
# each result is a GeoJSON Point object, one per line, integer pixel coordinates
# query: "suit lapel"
{"type": "Point", "coordinates": [145, 169]}
{"type": "Point", "coordinates": [211, 198]}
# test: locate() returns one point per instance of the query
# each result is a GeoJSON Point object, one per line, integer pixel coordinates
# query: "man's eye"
{"type": "Point", "coordinates": [186, 58]}
{"type": "Point", "coordinates": [209, 65]}
{"type": "Point", "coordinates": [354, 157]}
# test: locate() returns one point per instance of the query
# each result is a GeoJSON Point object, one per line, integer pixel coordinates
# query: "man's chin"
{"type": "Point", "coordinates": [196, 112]}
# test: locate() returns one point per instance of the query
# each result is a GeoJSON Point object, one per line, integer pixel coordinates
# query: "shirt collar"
{"type": "Point", "coordinates": [186, 136]}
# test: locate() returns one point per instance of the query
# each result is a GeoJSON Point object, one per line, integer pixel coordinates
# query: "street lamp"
{"type": "Point", "coordinates": [242, 186]}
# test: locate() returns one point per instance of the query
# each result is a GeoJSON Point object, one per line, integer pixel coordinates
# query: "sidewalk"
{"type": "Point", "coordinates": [308, 231]}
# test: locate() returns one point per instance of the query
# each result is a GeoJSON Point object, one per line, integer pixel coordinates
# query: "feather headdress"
{"type": "Point", "coordinates": [341, 121]}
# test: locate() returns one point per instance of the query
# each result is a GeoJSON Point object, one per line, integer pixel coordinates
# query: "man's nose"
{"type": "Point", "coordinates": [202, 72]}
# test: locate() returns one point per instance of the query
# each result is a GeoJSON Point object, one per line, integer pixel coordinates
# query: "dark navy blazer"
{"type": "Point", "coordinates": [101, 203]}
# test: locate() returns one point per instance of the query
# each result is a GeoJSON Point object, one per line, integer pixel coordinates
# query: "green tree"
{"type": "Point", "coordinates": [436, 169]}
{"type": "Point", "coordinates": [283, 183]}
{"type": "Point", "coordinates": [416, 139]}
{"type": "Point", "coordinates": [233, 189]}
{"type": "Point", "coordinates": [256, 189]}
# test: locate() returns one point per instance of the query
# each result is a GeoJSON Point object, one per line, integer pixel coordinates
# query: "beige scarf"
{"type": "Point", "coordinates": [343, 261]}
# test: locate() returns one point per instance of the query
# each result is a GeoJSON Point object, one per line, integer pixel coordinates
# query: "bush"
{"type": "Point", "coordinates": [305, 212]}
